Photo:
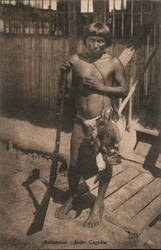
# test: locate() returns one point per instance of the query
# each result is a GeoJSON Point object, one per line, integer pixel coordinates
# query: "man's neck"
{"type": "Point", "coordinates": [91, 57]}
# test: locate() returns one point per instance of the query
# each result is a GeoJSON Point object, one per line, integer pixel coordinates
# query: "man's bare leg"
{"type": "Point", "coordinates": [74, 174]}
{"type": "Point", "coordinates": [73, 179]}
{"type": "Point", "coordinates": [96, 213]}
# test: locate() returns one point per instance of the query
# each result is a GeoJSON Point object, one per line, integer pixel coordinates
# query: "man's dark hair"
{"type": "Point", "coordinates": [98, 29]}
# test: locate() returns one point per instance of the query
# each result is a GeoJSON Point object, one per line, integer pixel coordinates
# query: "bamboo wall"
{"type": "Point", "coordinates": [29, 69]}
{"type": "Point", "coordinates": [31, 52]}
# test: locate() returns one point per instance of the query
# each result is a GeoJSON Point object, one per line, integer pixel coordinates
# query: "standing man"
{"type": "Point", "coordinates": [96, 78]}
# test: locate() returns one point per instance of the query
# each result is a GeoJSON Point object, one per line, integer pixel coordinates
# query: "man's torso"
{"type": "Point", "coordinates": [90, 104]}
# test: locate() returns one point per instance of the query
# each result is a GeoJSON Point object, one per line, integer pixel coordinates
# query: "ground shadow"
{"type": "Point", "coordinates": [41, 116]}
{"type": "Point", "coordinates": [86, 200]}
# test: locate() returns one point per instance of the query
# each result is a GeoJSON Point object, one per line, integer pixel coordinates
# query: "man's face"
{"type": "Point", "coordinates": [95, 44]}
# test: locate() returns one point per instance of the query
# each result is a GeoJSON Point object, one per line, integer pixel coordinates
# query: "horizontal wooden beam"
{"type": "Point", "coordinates": [141, 128]}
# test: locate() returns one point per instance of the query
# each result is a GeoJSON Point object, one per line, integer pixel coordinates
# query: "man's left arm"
{"type": "Point", "coordinates": [118, 91]}
{"type": "Point", "coordinates": [121, 88]}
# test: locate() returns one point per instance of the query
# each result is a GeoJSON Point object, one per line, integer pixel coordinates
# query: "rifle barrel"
{"type": "Point", "coordinates": [39, 219]}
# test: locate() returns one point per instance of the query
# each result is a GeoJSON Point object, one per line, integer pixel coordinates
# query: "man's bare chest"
{"type": "Point", "coordinates": [99, 70]}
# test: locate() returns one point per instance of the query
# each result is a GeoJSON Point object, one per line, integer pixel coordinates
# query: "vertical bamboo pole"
{"type": "Point", "coordinates": [47, 79]}
{"type": "Point", "coordinates": [113, 23]}
{"type": "Point", "coordinates": [44, 83]}
{"type": "Point", "coordinates": [40, 45]}
{"type": "Point", "coordinates": [122, 18]}
{"type": "Point", "coordinates": [131, 78]}
{"type": "Point", "coordinates": [134, 78]}
{"type": "Point", "coordinates": [153, 67]}
{"type": "Point", "coordinates": [72, 34]}
{"type": "Point", "coordinates": [23, 21]}
{"type": "Point", "coordinates": [132, 17]}
{"type": "Point", "coordinates": [156, 59]}
{"type": "Point", "coordinates": [31, 70]}
{"type": "Point", "coordinates": [28, 55]}
{"type": "Point", "coordinates": [104, 11]}
{"type": "Point", "coordinates": [137, 95]}
{"type": "Point", "coordinates": [29, 18]}
{"type": "Point", "coordinates": [130, 101]}
{"type": "Point", "coordinates": [23, 62]}
{"type": "Point", "coordinates": [50, 18]}
{"type": "Point", "coordinates": [14, 20]}
{"type": "Point", "coordinates": [47, 70]}
{"type": "Point", "coordinates": [151, 7]}
{"type": "Point", "coordinates": [88, 13]}
{"type": "Point", "coordinates": [141, 12]}
{"type": "Point", "coordinates": [43, 69]}
{"type": "Point", "coordinates": [25, 70]}
{"type": "Point", "coordinates": [146, 75]}
{"type": "Point", "coordinates": [33, 83]}
{"type": "Point", "coordinates": [159, 48]}
{"type": "Point", "coordinates": [113, 29]}
{"type": "Point", "coordinates": [64, 44]}
{"type": "Point", "coordinates": [155, 35]}
{"type": "Point", "coordinates": [122, 32]}
{"type": "Point", "coordinates": [53, 83]}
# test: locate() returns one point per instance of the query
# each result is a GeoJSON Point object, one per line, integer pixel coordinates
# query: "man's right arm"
{"type": "Point", "coordinates": [67, 67]}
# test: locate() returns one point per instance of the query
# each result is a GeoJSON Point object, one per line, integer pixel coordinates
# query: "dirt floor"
{"type": "Point", "coordinates": [17, 211]}
{"type": "Point", "coordinates": [18, 206]}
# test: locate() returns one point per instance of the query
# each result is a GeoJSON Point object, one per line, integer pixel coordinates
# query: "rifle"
{"type": "Point", "coordinates": [38, 221]}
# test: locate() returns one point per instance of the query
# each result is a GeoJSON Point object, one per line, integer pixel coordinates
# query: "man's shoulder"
{"type": "Point", "coordinates": [73, 58]}
{"type": "Point", "coordinates": [117, 61]}
{"type": "Point", "coordinates": [112, 60]}
{"type": "Point", "coordinates": [108, 58]}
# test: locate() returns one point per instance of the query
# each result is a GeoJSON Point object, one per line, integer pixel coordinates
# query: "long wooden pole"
{"type": "Point", "coordinates": [72, 34]}
{"type": "Point", "coordinates": [146, 75]}
{"type": "Point", "coordinates": [141, 12]}
{"type": "Point", "coordinates": [125, 101]}
{"type": "Point", "coordinates": [122, 18]}
{"type": "Point", "coordinates": [39, 218]}
{"type": "Point", "coordinates": [131, 78]}
{"type": "Point", "coordinates": [130, 100]}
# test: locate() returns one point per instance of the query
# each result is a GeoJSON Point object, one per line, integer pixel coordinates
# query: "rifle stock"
{"type": "Point", "coordinates": [39, 219]}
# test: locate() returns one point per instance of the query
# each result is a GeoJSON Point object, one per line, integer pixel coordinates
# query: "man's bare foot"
{"type": "Point", "coordinates": [95, 217]}
{"type": "Point", "coordinates": [64, 209]}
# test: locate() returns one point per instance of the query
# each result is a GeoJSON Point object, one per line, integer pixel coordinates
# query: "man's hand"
{"type": "Point", "coordinates": [91, 84]}
{"type": "Point", "coordinates": [66, 66]}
